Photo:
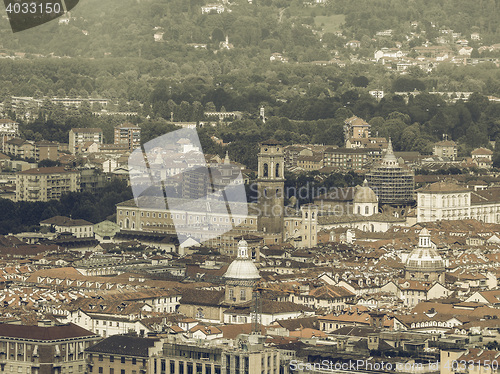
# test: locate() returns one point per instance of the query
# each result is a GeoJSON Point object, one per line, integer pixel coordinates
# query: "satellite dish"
{"type": "Point", "coordinates": [24, 14]}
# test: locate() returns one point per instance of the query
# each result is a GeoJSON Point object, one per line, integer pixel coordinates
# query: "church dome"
{"type": "Point", "coordinates": [425, 258]}
{"type": "Point", "coordinates": [364, 194]}
{"type": "Point", "coordinates": [243, 267]}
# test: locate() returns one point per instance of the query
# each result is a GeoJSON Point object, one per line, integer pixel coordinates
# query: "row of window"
{"type": "Point", "coordinates": [190, 367]}
{"type": "Point", "coordinates": [122, 359]}
{"type": "Point", "coordinates": [183, 216]}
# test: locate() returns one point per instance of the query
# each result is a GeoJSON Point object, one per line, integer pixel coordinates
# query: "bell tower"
{"type": "Point", "coordinates": [271, 183]}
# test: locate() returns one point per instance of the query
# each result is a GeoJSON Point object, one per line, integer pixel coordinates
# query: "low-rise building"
{"type": "Point", "coordinates": [445, 148]}
{"type": "Point", "coordinates": [482, 157]}
{"type": "Point", "coordinates": [78, 227]}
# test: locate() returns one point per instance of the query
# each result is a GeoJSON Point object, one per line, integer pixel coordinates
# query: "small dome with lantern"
{"type": "Point", "coordinates": [364, 194]}
{"type": "Point", "coordinates": [243, 267]}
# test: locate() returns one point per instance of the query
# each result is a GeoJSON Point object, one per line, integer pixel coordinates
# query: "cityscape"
{"type": "Point", "coordinates": [250, 187]}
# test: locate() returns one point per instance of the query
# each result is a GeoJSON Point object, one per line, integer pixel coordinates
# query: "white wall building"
{"type": "Point", "coordinates": [450, 201]}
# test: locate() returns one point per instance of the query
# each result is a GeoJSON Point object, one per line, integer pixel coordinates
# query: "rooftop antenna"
{"type": "Point", "coordinates": [257, 312]}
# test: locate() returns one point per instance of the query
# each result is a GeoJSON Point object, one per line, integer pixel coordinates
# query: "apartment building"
{"type": "Point", "coordinates": [346, 158]}
{"type": "Point", "coordinates": [247, 355]}
{"type": "Point", "coordinates": [128, 134]}
{"type": "Point", "coordinates": [19, 148]}
{"type": "Point", "coordinates": [80, 136]}
{"type": "Point", "coordinates": [8, 129]}
{"type": "Point", "coordinates": [44, 184]}
{"type": "Point", "coordinates": [44, 348]}
{"type": "Point", "coordinates": [45, 150]}
{"type": "Point", "coordinates": [122, 354]}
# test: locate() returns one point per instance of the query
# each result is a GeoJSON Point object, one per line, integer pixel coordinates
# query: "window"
{"type": "Point", "coordinates": [231, 293]}
{"type": "Point", "coordinates": [101, 370]}
{"type": "Point", "coordinates": [277, 170]}
{"type": "Point", "coordinates": [243, 295]}
{"type": "Point", "coordinates": [100, 357]}
{"type": "Point", "coordinates": [134, 361]}
{"type": "Point", "coordinates": [266, 170]}
{"type": "Point", "coordinates": [111, 358]}
{"type": "Point", "coordinates": [123, 360]}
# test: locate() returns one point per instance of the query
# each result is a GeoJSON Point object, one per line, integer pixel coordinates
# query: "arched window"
{"type": "Point", "coordinates": [277, 192]}
{"type": "Point", "coordinates": [359, 210]}
{"type": "Point", "coordinates": [277, 170]}
{"type": "Point", "coordinates": [266, 170]}
{"type": "Point", "coordinates": [372, 228]}
{"type": "Point", "coordinates": [307, 214]}
{"type": "Point", "coordinates": [312, 215]}
{"type": "Point", "coordinates": [127, 223]}
{"type": "Point", "coordinates": [367, 210]}
{"type": "Point", "coordinates": [374, 210]}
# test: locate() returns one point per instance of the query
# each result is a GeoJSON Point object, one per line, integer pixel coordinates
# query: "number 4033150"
{"type": "Point", "coordinates": [33, 8]}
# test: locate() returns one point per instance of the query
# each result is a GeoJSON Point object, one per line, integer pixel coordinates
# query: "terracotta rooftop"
{"type": "Point", "coordinates": [444, 186]}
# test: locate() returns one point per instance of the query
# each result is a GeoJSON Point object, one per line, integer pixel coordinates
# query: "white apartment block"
{"type": "Point", "coordinates": [44, 184]}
